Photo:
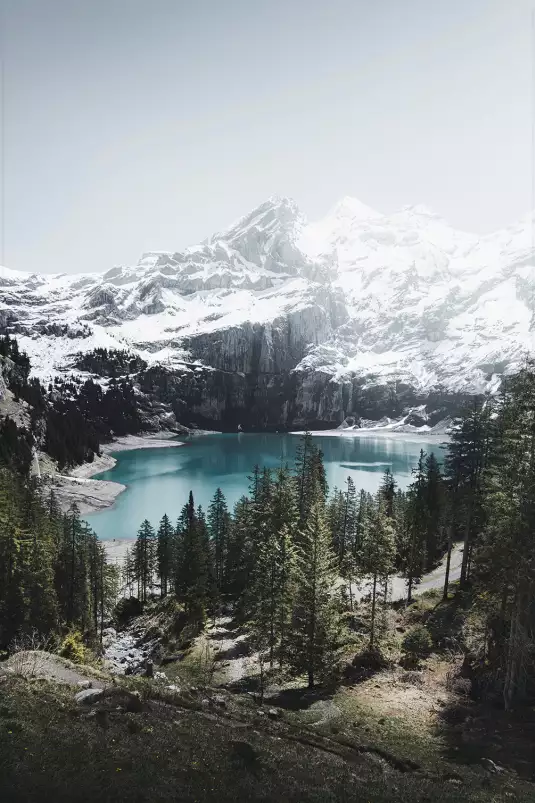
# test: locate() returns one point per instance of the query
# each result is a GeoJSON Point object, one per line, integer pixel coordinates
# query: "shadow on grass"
{"type": "Point", "coordinates": [300, 699]}
{"type": "Point", "coordinates": [446, 620]}
{"type": "Point", "coordinates": [475, 732]}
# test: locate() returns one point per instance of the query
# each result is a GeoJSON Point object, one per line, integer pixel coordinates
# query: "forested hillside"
{"type": "Point", "coordinates": [55, 585]}
{"type": "Point", "coordinates": [70, 418]}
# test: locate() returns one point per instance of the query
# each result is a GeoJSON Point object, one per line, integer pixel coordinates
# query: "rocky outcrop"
{"type": "Point", "coordinates": [274, 347]}
{"type": "Point", "coordinates": [218, 399]}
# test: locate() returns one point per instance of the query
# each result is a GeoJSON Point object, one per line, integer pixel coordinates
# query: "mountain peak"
{"type": "Point", "coordinates": [348, 207]}
{"type": "Point", "coordinates": [278, 212]}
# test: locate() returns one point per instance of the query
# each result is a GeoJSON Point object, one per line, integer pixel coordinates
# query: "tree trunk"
{"type": "Point", "coordinates": [447, 574]}
{"type": "Point", "coordinates": [261, 680]}
{"type": "Point", "coordinates": [469, 563]}
{"type": "Point", "coordinates": [372, 623]}
{"type": "Point", "coordinates": [103, 560]}
{"type": "Point", "coordinates": [71, 590]}
{"type": "Point", "coordinates": [466, 549]}
{"type": "Point", "coordinates": [409, 589]}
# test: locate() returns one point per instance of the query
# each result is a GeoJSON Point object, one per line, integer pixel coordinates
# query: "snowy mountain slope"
{"type": "Point", "coordinates": [388, 298]}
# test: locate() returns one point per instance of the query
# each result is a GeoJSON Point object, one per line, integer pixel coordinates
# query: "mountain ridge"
{"type": "Point", "coordinates": [399, 298]}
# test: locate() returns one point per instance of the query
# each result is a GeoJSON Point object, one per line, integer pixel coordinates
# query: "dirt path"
{"type": "Point", "coordinates": [435, 579]}
{"type": "Point", "coordinates": [40, 664]}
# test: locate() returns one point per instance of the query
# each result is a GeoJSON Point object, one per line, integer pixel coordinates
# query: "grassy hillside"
{"type": "Point", "coordinates": [191, 749]}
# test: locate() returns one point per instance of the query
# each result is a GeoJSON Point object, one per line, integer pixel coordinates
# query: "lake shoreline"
{"type": "Point", "coordinates": [126, 443]}
{"type": "Point", "coordinates": [92, 495]}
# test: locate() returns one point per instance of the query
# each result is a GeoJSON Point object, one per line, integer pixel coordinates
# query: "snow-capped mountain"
{"type": "Point", "coordinates": [359, 295]}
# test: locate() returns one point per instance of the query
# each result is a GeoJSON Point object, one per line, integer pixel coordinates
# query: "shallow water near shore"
{"type": "Point", "coordinates": [159, 480]}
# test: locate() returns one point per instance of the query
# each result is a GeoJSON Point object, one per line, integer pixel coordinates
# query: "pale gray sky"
{"type": "Point", "coordinates": [133, 125]}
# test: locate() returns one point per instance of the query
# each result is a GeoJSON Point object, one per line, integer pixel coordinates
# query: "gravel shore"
{"type": "Point", "coordinates": [124, 444]}
{"type": "Point", "coordinates": [91, 495]}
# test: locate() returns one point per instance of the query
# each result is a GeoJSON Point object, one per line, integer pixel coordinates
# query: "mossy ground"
{"type": "Point", "coordinates": [51, 749]}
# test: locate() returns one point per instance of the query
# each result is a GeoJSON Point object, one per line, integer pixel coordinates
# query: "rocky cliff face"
{"type": "Point", "coordinates": [277, 322]}
{"type": "Point", "coordinates": [212, 398]}
{"type": "Point", "coordinates": [272, 347]}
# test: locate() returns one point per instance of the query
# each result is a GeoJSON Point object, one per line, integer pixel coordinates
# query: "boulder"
{"type": "Point", "coordinates": [88, 696]}
{"type": "Point", "coordinates": [274, 713]}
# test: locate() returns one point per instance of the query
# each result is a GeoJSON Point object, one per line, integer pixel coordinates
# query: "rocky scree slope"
{"type": "Point", "coordinates": [279, 322]}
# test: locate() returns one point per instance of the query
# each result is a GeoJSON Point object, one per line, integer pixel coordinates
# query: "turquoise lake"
{"type": "Point", "coordinates": [159, 480]}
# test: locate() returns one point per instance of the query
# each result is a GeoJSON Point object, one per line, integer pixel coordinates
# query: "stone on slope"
{"type": "Point", "coordinates": [88, 696]}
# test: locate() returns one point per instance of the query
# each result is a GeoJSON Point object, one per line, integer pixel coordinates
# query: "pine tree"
{"type": "Point", "coordinates": [365, 500]}
{"type": "Point", "coordinates": [273, 592]}
{"type": "Point", "coordinates": [310, 478]}
{"type": "Point", "coordinates": [412, 541]}
{"type": "Point", "coordinates": [388, 492]}
{"type": "Point", "coordinates": [128, 573]}
{"type": "Point", "coordinates": [42, 601]}
{"type": "Point", "coordinates": [378, 553]}
{"type": "Point", "coordinates": [144, 558]}
{"type": "Point", "coordinates": [316, 625]}
{"type": "Point", "coordinates": [218, 522]}
{"type": "Point", "coordinates": [335, 517]}
{"type": "Point", "coordinates": [343, 520]}
{"type": "Point", "coordinates": [12, 603]}
{"type": "Point", "coordinates": [283, 509]}
{"type": "Point", "coordinates": [240, 553]}
{"type": "Point", "coordinates": [164, 553]}
{"type": "Point", "coordinates": [194, 577]}
{"type": "Point", "coordinates": [435, 502]}
{"type": "Point", "coordinates": [465, 463]}
{"type": "Point", "coordinates": [302, 459]}
{"type": "Point", "coordinates": [504, 556]}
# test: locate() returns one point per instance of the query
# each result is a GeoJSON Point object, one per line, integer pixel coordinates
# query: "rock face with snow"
{"type": "Point", "coordinates": [282, 322]}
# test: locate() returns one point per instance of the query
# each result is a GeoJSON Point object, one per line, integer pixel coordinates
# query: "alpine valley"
{"type": "Point", "coordinates": [281, 323]}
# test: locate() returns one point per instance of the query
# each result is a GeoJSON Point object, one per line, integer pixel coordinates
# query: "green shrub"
{"type": "Point", "coordinates": [417, 643]}
{"type": "Point", "coordinates": [72, 648]}
{"type": "Point", "coordinates": [373, 660]}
